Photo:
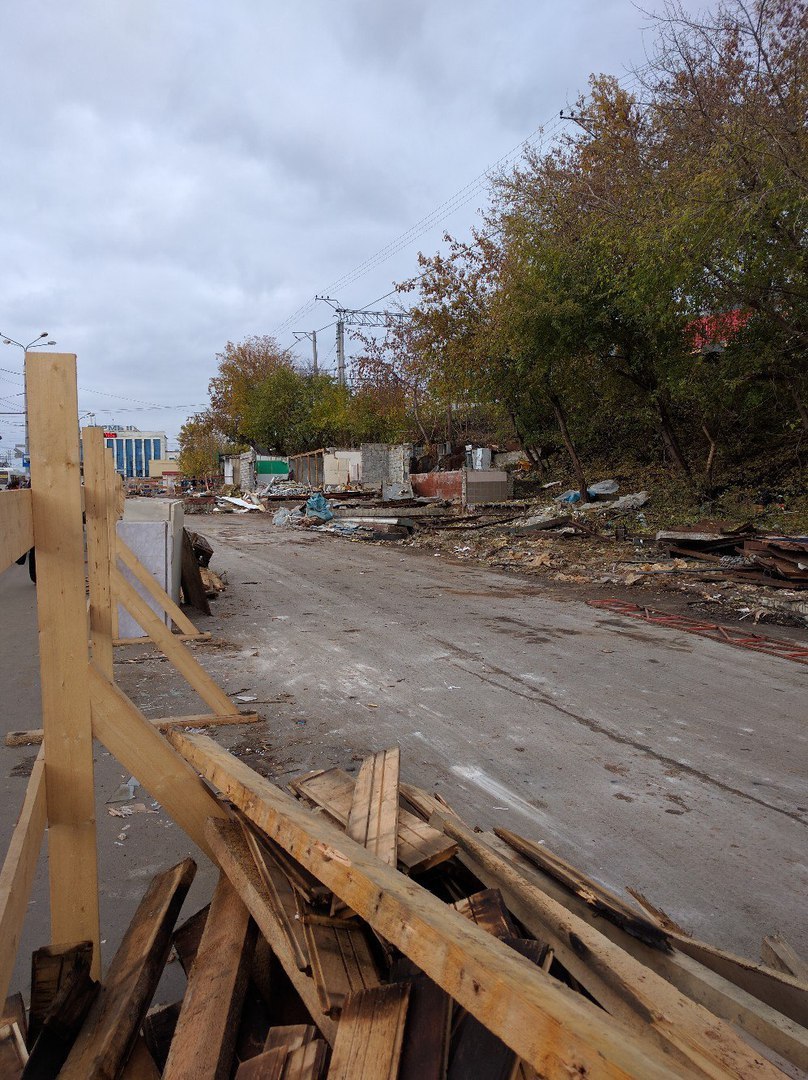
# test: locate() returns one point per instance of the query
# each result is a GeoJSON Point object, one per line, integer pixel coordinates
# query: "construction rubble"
{"type": "Point", "coordinates": [733, 570]}
{"type": "Point", "coordinates": [360, 930]}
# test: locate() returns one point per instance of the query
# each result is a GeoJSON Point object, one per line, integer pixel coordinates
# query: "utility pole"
{"type": "Point", "coordinates": [312, 336]}
{"type": "Point", "coordinates": [358, 317]}
{"type": "Point", "coordinates": [341, 352]}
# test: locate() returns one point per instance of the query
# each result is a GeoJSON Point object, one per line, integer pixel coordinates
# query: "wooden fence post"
{"type": "Point", "coordinates": [100, 545]}
{"type": "Point", "coordinates": [50, 381]}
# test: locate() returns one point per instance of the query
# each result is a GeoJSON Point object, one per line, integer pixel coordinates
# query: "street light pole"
{"type": "Point", "coordinates": [35, 344]}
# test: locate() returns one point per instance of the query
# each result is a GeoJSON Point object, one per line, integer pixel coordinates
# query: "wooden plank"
{"type": "Point", "coordinates": [13, 1012]}
{"type": "Point", "coordinates": [305, 884]}
{"type": "Point", "coordinates": [16, 526]}
{"type": "Point", "coordinates": [425, 1052]}
{"type": "Point", "coordinates": [140, 1064]}
{"type": "Point", "coordinates": [373, 817]}
{"type": "Point", "coordinates": [597, 896]}
{"type": "Point", "coordinates": [62, 1024]}
{"type": "Point", "coordinates": [50, 382]}
{"type": "Point", "coordinates": [253, 1024]}
{"type": "Point", "coordinates": [205, 1037]}
{"type": "Point", "coordinates": [724, 997]}
{"type": "Point", "coordinates": [267, 1066]}
{"type": "Point", "coordinates": [341, 960]}
{"type": "Point", "coordinates": [19, 867]}
{"type": "Point", "coordinates": [186, 938]}
{"type": "Point", "coordinates": [162, 723]}
{"type": "Point", "coordinates": [487, 909]}
{"type": "Point", "coordinates": [13, 1054]}
{"type": "Point", "coordinates": [555, 1030]}
{"type": "Point", "coordinates": [778, 990]}
{"type": "Point", "coordinates": [777, 953]}
{"type": "Point", "coordinates": [190, 578]}
{"type": "Point", "coordinates": [370, 1034]}
{"type": "Point", "coordinates": [422, 803]}
{"type": "Point", "coordinates": [51, 967]}
{"type": "Point", "coordinates": [199, 637]}
{"type": "Point", "coordinates": [420, 847]}
{"type": "Point", "coordinates": [290, 1036]}
{"type": "Point", "coordinates": [152, 586]}
{"type": "Point", "coordinates": [115, 1018]}
{"type": "Point", "coordinates": [226, 840]}
{"type": "Point", "coordinates": [99, 553]}
{"type": "Point", "coordinates": [141, 749]}
{"type": "Point", "coordinates": [628, 990]}
{"type": "Point", "coordinates": [291, 1053]}
{"type": "Point", "coordinates": [158, 1031]}
{"type": "Point", "coordinates": [281, 891]}
{"type": "Point", "coordinates": [306, 1062]}
{"type": "Point", "coordinates": [186, 664]}
{"type": "Point", "coordinates": [479, 1053]}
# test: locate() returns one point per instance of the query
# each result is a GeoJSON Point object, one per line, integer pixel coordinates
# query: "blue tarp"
{"type": "Point", "coordinates": [317, 507]}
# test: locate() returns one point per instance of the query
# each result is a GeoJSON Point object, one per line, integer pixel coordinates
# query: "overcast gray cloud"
{"type": "Point", "coordinates": [176, 174]}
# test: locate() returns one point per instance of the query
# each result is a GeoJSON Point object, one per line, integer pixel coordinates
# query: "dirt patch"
{"type": "Point", "coordinates": [24, 767]}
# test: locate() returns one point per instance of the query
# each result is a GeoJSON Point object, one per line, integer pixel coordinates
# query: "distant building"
{"type": "Point", "coordinates": [133, 450]}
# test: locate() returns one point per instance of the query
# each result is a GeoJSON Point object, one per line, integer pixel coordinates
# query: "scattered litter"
{"type": "Point", "coordinates": [242, 504]}
{"type": "Point", "coordinates": [284, 517]}
{"type": "Point", "coordinates": [127, 811]}
{"type": "Point", "coordinates": [246, 697]}
{"type": "Point", "coordinates": [596, 491]}
{"type": "Point", "coordinates": [125, 793]}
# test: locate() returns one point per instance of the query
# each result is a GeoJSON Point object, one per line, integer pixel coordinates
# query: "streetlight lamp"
{"type": "Point", "coordinates": [35, 344]}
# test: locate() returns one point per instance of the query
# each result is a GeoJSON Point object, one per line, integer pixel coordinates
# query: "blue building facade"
{"type": "Point", "coordinates": [133, 449]}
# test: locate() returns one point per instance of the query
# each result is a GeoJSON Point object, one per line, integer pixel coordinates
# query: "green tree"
{"type": "Point", "coordinates": [200, 447]}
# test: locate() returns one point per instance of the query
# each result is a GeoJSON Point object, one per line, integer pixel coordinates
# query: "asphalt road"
{"type": "Point", "coordinates": [647, 757]}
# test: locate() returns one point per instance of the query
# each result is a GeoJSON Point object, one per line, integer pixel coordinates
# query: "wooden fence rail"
{"type": "Point", "coordinates": [16, 526]}
{"type": "Point", "coordinates": [79, 697]}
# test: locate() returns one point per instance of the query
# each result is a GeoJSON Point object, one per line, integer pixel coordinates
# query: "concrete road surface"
{"type": "Point", "coordinates": [649, 758]}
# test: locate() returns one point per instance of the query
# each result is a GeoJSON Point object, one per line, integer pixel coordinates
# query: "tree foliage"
{"type": "Point", "coordinates": [639, 283]}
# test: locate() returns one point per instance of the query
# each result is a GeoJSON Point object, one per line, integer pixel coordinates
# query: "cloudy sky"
{"type": "Point", "coordinates": [177, 174]}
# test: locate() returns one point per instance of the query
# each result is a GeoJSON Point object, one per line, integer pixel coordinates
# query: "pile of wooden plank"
{"type": "Point", "coordinates": [360, 930]}
{"type": "Point", "coordinates": [784, 556]}
{"type": "Point", "coordinates": [740, 554]}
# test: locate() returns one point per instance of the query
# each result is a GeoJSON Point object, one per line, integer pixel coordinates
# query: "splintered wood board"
{"type": "Point", "coordinates": [477, 1052]}
{"type": "Point", "coordinates": [280, 888]}
{"type": "Point", "coordinates": [373, 817]}
{"type": "Point", "coordinates": [487, 909]}
{"type": "Point", "coordinates": [205, 1037]}
{"type": "Point", "coordinates": [267, 1066]}
{"type": "Point", "coordinates": [419, 845]}
{"type": "Point", "coordinates": [290, 1036]}
{"type": "Point", "coordinates": [306, 1062]}
{"type": "Point", "coordinates": [370, 1034]}
{"type": "Point", "coordinates": [235, 858]}
{"type": "Point", "coordinates": [112, 1025]}
{"type": "Point", "coordinates": [425, 1053]}
{"type": "Point", "coordinates": [341, 960]}
{"type": "Point", "coordinates": [50, 967]}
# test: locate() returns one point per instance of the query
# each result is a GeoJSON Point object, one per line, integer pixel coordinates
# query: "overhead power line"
{"type": "Point", "coordinates": [444, 210]}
